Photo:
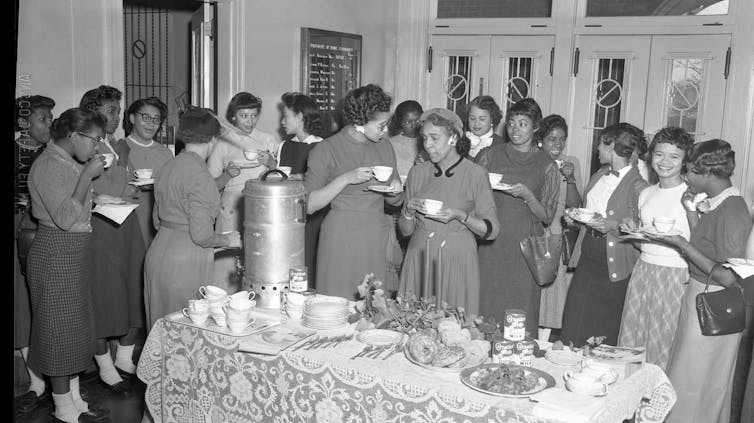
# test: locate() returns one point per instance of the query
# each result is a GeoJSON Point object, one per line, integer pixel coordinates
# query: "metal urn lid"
{"type": "Point", "coordinates": [274, 184]}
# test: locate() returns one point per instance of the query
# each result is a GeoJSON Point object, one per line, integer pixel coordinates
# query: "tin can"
{"type": "Point", "coordinates": [298, 280]}
{"type": "Point", "coordinates": [514, 327]}
{"type": "Point", "coordinates": [502, 351]}
{"type": "Point", "coordinates": [525, 352]}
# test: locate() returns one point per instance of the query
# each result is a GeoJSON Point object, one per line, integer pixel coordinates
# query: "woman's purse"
{"type": "Point", "coordinates": [542, 256]}
{"type": "Point", "coordinates": [721, 312]}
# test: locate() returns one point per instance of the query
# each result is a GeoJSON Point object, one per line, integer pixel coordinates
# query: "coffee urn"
{"type": "Point", "coordinates": [274, 221]}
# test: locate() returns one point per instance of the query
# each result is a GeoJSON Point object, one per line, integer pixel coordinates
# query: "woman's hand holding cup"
{"type": "Point", "coordinates": [94, 167]}
{"type": "Point", "coordinates": [358, 175]}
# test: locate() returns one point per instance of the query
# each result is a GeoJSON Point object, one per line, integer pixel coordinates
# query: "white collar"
{"type": "Point", "coordinates": [710, 204]}
{"type": "Point", "coordinates": [151, 142]}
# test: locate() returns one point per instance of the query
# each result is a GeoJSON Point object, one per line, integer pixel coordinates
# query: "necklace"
{"type": "Point", "coordinates": [151, 142]}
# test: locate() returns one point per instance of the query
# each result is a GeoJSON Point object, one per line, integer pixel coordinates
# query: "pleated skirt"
{"type": "Point", "coordinates": [594, 304]}
{"type": "Point", "coordinates": [174, 270]}
{"type": "Point", "coordinates": [650, 312]}
{"type": "Point", "coordinates": [62, 330]}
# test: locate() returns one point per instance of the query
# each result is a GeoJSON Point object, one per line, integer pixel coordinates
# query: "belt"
{"type": "Point", "coordinates": [173, 225]}
{"type": "Point", "coordinates": [595, 233]}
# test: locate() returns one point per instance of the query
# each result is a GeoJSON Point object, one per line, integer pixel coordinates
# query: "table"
{"type": "Point", "coordinates": [195, 375]}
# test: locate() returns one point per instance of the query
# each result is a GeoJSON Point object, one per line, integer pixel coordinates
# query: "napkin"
{"type": "Point", "coordinates": [115, 212]}
{"type": "Point", "coordinates": [565, 406]}
{"type": "Point", "coordinates": [744, 270]}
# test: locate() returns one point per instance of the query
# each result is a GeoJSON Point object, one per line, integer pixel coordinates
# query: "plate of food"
{"type": "Point", "coordinates": [583, 215]}
{"type": "Point", "coordinates": [618, 354]}
{"type": "Point", "coordinates": [447, 349]}
{"type": "Point", "coordinates": [507, 380]}
{"type": "Point", "coordinates": [385, 189]}
{"type": "Point", "coordinates": [649, 230]}
{"type": "Point", "coordinates": [564, 357]}
{"type": "Point", "coordinates": [109, 199]}
{"type": "Point", "coordinates": [379, 337]}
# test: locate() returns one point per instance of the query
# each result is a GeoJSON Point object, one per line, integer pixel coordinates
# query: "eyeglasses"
{"type": "Point", "coordinates": [100, 139]}
{"type": "Point", "coordinates": [145, 117]}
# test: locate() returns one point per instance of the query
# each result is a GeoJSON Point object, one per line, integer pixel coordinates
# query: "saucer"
{"type": "Point", "coordinates": [501, 186]}
{"type": "Point", "coordinates": [652, 231]}
{"type": "Point", "coordinates": [383, 189]}
{"type": "Point", "coordinates": [141, 182]}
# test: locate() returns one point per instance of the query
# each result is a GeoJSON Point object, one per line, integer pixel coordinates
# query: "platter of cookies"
{"type": "Point", "coordinates": [447, 349]}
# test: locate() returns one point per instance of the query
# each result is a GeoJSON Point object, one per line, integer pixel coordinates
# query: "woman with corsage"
{"type": "Point", "coordinates": [468, 212]}
{"type": "Point", "coordinates": [701, 367]}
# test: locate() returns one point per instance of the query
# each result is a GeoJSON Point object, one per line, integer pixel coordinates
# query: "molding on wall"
{"type": "Point", "coordinates": [411, 51]}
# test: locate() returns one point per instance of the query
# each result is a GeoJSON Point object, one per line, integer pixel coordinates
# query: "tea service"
{"type": "Point", "coordinates": [382, 173]}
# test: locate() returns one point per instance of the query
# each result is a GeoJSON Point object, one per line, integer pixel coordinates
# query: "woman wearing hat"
{"type": "Point", "coordinates": [353, 238]}
{"type": "Point", "coordinates": [468, 211]}
{"type": "Point", "coordinates": [187, 202]}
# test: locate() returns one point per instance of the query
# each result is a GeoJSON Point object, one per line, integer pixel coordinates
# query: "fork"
{"type": "Point", "coordinates": [309, 341]}
{"type": "Point", "coordinates": [377, 351]}
{"type": "Point", "coordinates": [363, 352]}
{"type": "Point", "coordinates": [331, 342]}
{"type": "Point", "coordinates": [397, 349]}
{"type": "Point", "coordinates": [319, 343]}
{"type": "Point", "coordinates": [339, 340]}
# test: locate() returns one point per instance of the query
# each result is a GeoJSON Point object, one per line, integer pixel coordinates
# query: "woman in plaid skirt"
{"type": "Point", "coordinates": [60, 186]}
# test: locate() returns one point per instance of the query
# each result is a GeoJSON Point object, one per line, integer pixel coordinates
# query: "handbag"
{"type": "Point", "coordinates": [721, 312]}
{"type": "Point", "coordinates": [542, 256]}
{"type": "Point", "coordinates": [569, 236]}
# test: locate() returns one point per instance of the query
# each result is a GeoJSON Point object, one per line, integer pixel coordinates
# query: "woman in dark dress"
{"type": "Point", "coordinates": [301, 119]}
{"type": "Point", "coordinates": [60, 186]}
{"type": "Point", "coordinates": [523, 210]}
{"type": "Point", "coordinates": [117, 254]}
{"type": "Point", "coordinates": [603, 263]}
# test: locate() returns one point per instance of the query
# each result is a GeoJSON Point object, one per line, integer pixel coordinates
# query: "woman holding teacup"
{"type": "Point", "coordinates": [603, 263]}
{"type": "Point", "coordinates": [242, 153]}
{"type": "Point", "coordinates": [353, 238]}
{"type": "Point", "coordinates": [460, 192]}
{"type": "Point", "coordinates": [144, 118]}
{"type": "Point", "coordinates": [523, 209]}
{"type": "Point", "coordinates": [187, 202]}
{"type": "Point", "coordinates": [653, 299]}
{"type": "Point", "coordinates": [117, 254]}
{"type": "Point", "coordinates": [61, 190]}
{"type": "Point", "coordinates": [701, 367]}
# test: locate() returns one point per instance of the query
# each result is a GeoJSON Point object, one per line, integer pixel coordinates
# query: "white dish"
{"type": "Point", "coordinates": [141, 182]}
{"type": "Point", "coordinates": [481, 360]}
{"type": "Point", "coordinates": [652, 231]}
{"type": "Point", "coordinates": [383, 189]}
{"type": "Point", "coordinates": [564, 358]}
{"type": "Point", "coordinates": [740, 262]}
{"type": "Point", "coordinates": [379, 337]}
{"type": "Point", "coordinates": [502, 186]}
{"type": "Point", "coordinates": [578, 215]}
{"type": "Point", "coordinates": [109, 200]}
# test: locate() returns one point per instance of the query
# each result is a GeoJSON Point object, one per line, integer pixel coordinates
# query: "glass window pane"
{"type": "Point", "coordinates": [607, 101]}
{"type": "Point", "coordinates": [517, 75]}
{"type": "Point", "coordinates": [457, 77]}
{"type": "Point", "coordinates": [656, 7]}
{"type": "Point", "coordinates": [684, 93]}
{"type": "Point", "coordinates": [494, 8]}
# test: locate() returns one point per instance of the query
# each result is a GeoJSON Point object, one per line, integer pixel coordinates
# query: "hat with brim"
{"type": "Point", "coordinates": [446, 115]}
{"type": "Point", "coordinates": [197, 125]}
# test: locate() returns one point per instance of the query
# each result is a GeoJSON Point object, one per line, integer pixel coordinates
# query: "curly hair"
{"type": "Point", "coordinates": [137, 105]}
{"type": "Point", "coordinates": [300, 103]}
{"type": "Point", "coordinates": [403, 109]}
{"type": "Point", "coordinates": [527, 107]}
{"type": "Point", "coordinates": [242, 100]}
{"type": "Point", "coordinates": [714, 157]}
{"type": "Point", "coordinates": [548, 124]}
{"type": "Point", "coordinates": [674, 136]}
{"type": "Point", "coordinates": [76, 119]}
{"type": "Point", "coordinates": [626, 139]}
{"type": "Point", "coordinates": [26, 105]}
{"type": "Point", "coordinates": [462, 144]}
{"type": "Point", "coordinates": [487, 103]}
{"type": "Point", "coordinates": [197, 125]}
{"type": "Point", "coordinates": [92, 99]}
{"type": "Point", "coordinates": [363, 103]}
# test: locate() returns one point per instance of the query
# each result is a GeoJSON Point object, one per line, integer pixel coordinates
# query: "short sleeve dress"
{"type": "Point", "coordinates": [353, 237]}
{"type": "Point", "coordinates": [467, 189]}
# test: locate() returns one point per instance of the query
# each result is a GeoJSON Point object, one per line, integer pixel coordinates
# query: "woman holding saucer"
{"type": "Point", "coordinates": [468, 212]}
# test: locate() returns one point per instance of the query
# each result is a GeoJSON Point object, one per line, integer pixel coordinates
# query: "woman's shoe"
{"type": "Point", "coordinates": [120, 388]}
{"type": "Point", "coordinates": [83, 418]}
{"type": "Point", "coordinates": [96, 412]}
{"type": "Point", "coordinates": [29, 401]}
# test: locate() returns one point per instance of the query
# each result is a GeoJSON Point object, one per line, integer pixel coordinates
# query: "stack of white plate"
{"type": "Point", "coordinates": [325, 312]}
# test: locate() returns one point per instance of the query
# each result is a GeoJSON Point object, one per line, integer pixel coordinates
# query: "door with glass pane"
{"type": "Point", "coordinates": [520, 67]}
{"type": "Point", "coordinates": [460, 65]}
{"type": "Point", "coordinates": [610, 87]}
{"type": "Point", "coordinates": [686, 86]}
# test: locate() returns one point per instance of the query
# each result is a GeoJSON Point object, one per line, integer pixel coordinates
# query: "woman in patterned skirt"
{"type": "Point", "coordinates": [653, 300]}
{"type": "Point", "coordinates": [701, 367]}
{"type": "Point", "coordinates": [60, 185]}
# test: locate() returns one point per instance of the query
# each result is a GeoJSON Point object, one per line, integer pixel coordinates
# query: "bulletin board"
{"type": "Point", "coordinates": [330, 66]}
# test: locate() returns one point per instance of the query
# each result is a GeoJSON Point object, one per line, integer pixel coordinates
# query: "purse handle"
{"type": "Point", "coordinates": [709, 278]}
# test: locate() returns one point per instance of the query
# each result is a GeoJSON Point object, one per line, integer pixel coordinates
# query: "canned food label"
{"type": "Point", "coordinates": [524, 350]}
{"type": "Point", "coordinates": [297, 279]}
{"type": "Point", "coordinates": [514, 327]}
{"type": "Point", "coordinates": [503, 351]}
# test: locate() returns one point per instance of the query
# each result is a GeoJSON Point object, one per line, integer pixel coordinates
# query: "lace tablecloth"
{"type": "Point", "coordinates": [193, 375]}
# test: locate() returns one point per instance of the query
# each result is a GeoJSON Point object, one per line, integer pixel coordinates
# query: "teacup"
{"type": "Point", "coordinates": [249, 295]}
{"type": "Point", "coordinates": [198, 306]}
{"type": "Point", "coordinates": [241, 304]}
{"type": "Point", "coordinates": [295, 313]}
{"type": "Point", "coordinates": [219, 318]}
{"type": "Point", "coordinates": [197, 318]}
{"type": "Point", "coordinates": [382, 173]}
{"type": "Point", "coordinates": [495, 178]}
{"type": "Point", "coordinates": [295, 299]}
{"type": "Point", "coordinates": [238, 325]}
{"type": "Point", "coordinates": [251, 154]}
{"type": "Point", "coordinates": [217, 306]}
{"type": "Point", "coordinates": [285, 169]}
{"type": "Point", "coordinates": [109, 157]}
{"type": "Point", "coordinates": [663, 224]}
{"type": "Point", "coordinates": [212, 292]}
{"type": "Point", "coordinates": [432, 206]}
{"type": "Point", "coordinates": [143, 173]}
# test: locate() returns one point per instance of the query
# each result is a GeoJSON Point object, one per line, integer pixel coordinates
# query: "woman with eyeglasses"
{"type": "Point", "coordinates": [116, 253]}
{"type": "Point", "coordinates": [523, 209]}
{"type": "Point", "coordinates": [61, 190]}
{"type": "Point", "coordinates": [143, 120]}
{"type": "Point", "coordinates": [353, 237]}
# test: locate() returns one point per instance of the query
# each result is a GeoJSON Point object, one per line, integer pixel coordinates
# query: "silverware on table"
{"type": "Point", "coordinates": [307, 342]}
{"type": "Point", "coordinates": [334, 341]}
{"type": "Point", "coordinates": [377, 351]}
{"type": "Point", "coordinates": [364, 351]}
{"type": "Point", "coordinates": [318, 343]}
{"type": "Point", "coordinates": [397, 349]}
